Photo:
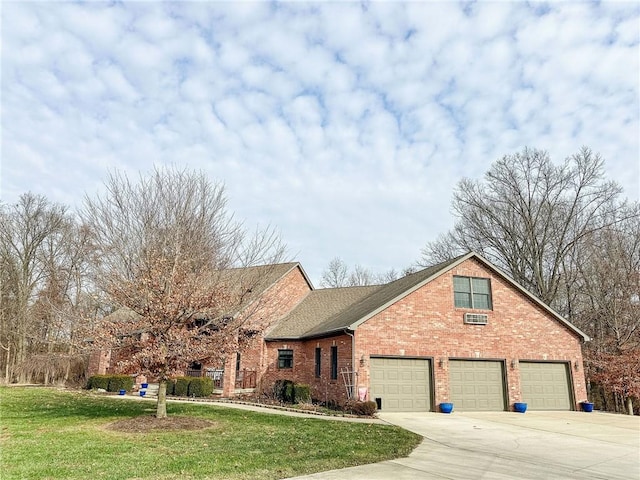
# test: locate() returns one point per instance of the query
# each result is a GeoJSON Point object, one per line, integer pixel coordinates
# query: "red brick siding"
{"type": "Point", "coordinates": [324, 388]}
{"type": "Point", "coordinates": [276, 302]}
{"type": "Point", "coordinates": [426, 324]}
{"type": "Point", "coordinates": [99, 362]}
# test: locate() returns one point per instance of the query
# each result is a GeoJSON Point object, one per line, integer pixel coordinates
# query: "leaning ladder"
{"type": "Point", "coordinates": [347, 379]}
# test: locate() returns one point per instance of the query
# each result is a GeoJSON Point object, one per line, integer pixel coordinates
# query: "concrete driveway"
{"type": "Point", "coordinates": [503, 445]}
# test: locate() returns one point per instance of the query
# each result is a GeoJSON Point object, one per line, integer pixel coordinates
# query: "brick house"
{"type": "Point", "coordinates": [461, 332]}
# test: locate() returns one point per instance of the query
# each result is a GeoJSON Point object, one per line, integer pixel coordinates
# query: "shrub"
{"type": "Point", "coordinates": [111, 383]}
{"type": "Point", "coordinates": [120, 382]}
{"type": "Point", "coordinates": [200, 387]}
{"type": "Point", "coordinates": [361, 408]}
{"type": "Point", "coordinates": [289, 392]}
{"type": "Point", "coordinates": [302, 393]}
{"type": "Point", "coordinates": [181, 388]}
{"type": "Point", "coordinates": [171, 386]}
{"type": "Point", "coordinates": [98, 381]}
{"type": "Point", "coordinates": [283, 391]}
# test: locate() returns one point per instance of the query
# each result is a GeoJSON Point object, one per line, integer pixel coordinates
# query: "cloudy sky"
{"type": "Point", "coordinates": [345, 125]}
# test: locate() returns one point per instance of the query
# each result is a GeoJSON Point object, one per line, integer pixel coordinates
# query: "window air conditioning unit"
{"type": "Point", "coordinates": [476, 318]}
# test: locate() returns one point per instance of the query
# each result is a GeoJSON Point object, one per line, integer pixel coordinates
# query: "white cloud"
{"type": "Point", "coordinates": [345, 124]}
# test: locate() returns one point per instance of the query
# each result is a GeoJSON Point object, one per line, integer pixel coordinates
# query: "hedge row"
{"type": "Point", "coordinates": [111, 383]}
{"type": "Point", "coordinates": [190, 387]}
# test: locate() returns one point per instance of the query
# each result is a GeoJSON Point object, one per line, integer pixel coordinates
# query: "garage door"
{"type": "Point", "coordinates": [401, 383]}
{"type": "Point", "coordinates": [545, 386]}
{"type": "Point", "coordinates": [476, 385]}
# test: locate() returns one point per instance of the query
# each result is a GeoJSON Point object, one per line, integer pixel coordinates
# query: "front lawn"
{"type": "Point", "coordinates": [47, 434]}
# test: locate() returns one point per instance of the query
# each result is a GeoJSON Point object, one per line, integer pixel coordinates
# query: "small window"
{"type": "Point", "coordinates": [334, 363]}
{"type": "Point", "coordinates": [470, 292]}
{"type": "Point", "coordinates": [285, 358]}
{"type": "Point", "coordinates": [318, 361]}
{"type": "Point", "coordinates": [238, 361]}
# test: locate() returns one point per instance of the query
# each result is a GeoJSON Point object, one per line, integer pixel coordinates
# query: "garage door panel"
{"type": "Point", "coordinates": [421, 404]}
{"type": "Point", "coordinates": [392, 404]}
{"type": "Point", "coordinates": [421, 390]}
{"type": "Point", "coordinates": [402, 384]}
{"type": "Point", "coordinates": [476, 385]}
{"type": "Point", "coordinates": [545, 386]}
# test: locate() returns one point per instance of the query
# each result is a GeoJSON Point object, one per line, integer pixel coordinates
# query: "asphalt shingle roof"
{"type": "Point", "coordinates": [331, 310]}
{"type": "Point", "coordinates": [256, 280]}
{"type": "Point", "coordinates": [317, 307]}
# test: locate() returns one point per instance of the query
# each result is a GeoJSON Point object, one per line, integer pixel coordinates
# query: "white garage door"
{"type": "Point", "coordinates": [545, 386]}
{"type": "Point", "coordinates": [402, 384]}
{"type": "Point", "coordinates": [476, 385]}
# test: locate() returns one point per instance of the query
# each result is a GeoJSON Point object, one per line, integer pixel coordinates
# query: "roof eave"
{"type": "Point", "coordinates": [310, 336]}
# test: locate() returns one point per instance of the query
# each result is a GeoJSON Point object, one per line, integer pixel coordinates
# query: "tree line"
{"type": "Point", "coordinates": [143, 268]}
{"type": "Point", "coordinates": [158, 245]}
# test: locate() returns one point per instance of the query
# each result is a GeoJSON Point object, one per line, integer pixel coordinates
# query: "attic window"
{"type": "Point", "coordinates": [471, 292]}
{"type": "Point", "coordinates": [285, 358]}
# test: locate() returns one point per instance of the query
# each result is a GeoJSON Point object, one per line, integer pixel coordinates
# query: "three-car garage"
{"type": "Point", "coordinates": [406, 384]}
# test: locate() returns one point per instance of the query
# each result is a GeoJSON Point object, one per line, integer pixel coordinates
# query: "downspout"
{"type": "Point", "coordinates": [354, 376]}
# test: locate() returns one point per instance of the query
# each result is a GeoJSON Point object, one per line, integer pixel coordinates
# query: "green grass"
{"type": "Point", "coordinates": [47, 434]}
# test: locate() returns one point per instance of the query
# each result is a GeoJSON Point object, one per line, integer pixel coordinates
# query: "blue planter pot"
{"type": "Point", "coordinates": [587, 406]}
{"type": "Point", "coordinates": [519, 407]}
{"type": "Point", "coordinates": [122, 392]}
{"type": "Point", "coordinates": [446, 407]}
{"type": "Point", "coordinates": [142, 393]}
{"type": "Point", "coordinates": [144, 385]}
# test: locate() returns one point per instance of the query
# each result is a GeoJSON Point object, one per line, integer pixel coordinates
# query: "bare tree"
{"type": "Point", "coordinates": [607, 306]}
{"type": "Point", "coordinates": [337, 274]}
{"type": "Point", "coordinates": [361, 276]}
{"type": "Point", "coordinates": [608, 299]}
{"type": "Point", "coordinates": [165, 249]}
{"type": "Point", "coordinates": [27, 229]}
{"type": "Point", "coordinates": [528, 216]}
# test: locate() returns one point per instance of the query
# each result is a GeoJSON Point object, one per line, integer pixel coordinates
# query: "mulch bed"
{"type": "Point", "coordinates": [149, 423]}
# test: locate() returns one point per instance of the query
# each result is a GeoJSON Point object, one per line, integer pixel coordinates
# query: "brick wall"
{"type": "Point", "coordinates": [323, 388]}
{"type": "Point", "coordinates": [276, 302]}
{"type": "Point", "coordinates": [99, 362]}
{"type": "Point", "coordinates": [427, 324]}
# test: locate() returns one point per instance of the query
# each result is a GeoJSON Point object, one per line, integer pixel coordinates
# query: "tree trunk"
{"type": "Point", "coordinates": [629, 406]}
{"type": "Point", "coordinates": [161, 409]}
{"type": "Point", "coordinates": [7, 375]}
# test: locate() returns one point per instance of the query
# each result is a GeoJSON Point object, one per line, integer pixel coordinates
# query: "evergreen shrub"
{"type": "Point", "coordinates": [120, 382]}
{"type": "Point", "coordinates": [200, 387]}
{"type": "Point", "coordinates": [181, 388]}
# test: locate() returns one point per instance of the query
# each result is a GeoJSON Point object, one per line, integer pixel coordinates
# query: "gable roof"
{"type": "Point", "coordinates": [252, 283]}
{"type": "Point", "coordinates": [260, 278]}
{"type": "Point", "coordinates": [529, 295]}
{"type": "Point", "coordinates": [248, 284]}
{"type": "Point", "coordinates": [318, 306]}
{"type": "Point", "coordinates": [321, 319]}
